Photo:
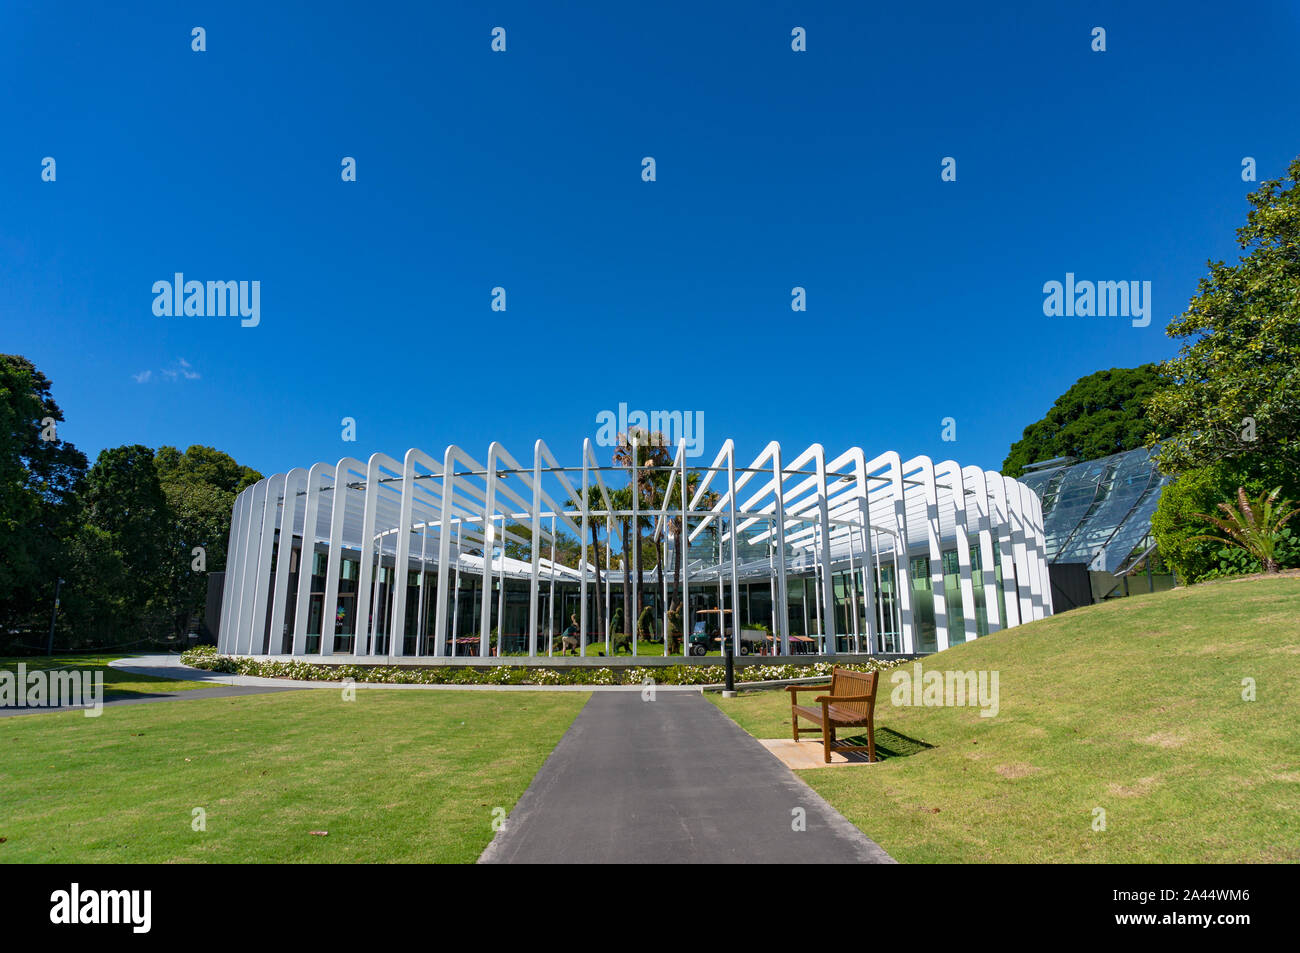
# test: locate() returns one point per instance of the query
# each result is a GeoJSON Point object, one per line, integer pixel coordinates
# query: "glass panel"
{"type": "Point", "coordinates": [952, 597]}
{"type": "Point", "coordinates": [887, 611]}
{"type": "Point", "coordinates": [924, 638]}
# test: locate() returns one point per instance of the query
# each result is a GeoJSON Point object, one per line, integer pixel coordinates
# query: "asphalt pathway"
{"type": "Point", "coordinates": [671, 780]}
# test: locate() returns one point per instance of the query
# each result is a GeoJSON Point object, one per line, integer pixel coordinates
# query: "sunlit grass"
{"type": "Point", "coordinates": [1134, 707]}
{"type": "Point", "coordinates": [406, 776]}
{"type": "Point", "coordinates": [117, 683]}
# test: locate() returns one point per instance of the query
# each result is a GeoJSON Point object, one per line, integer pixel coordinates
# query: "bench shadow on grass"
{"type": "Point", "coordinates": [890, 743]}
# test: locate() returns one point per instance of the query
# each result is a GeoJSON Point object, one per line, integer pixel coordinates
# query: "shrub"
{"type": "Point", "coordinates": [206, 657]}
{"type": "Point", "coordinates": [1175, 524]}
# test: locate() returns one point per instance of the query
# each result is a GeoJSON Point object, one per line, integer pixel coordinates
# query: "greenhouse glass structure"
{"type": "Point", "coordinates": [423, 558]}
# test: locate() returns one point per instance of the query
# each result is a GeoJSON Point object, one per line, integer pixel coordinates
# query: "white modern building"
{"type": "Point", "coordinates": [432, 558]}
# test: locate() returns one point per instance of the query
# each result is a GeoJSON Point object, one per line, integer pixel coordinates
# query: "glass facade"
{"type": "Point", "coordinates": [848, 606]}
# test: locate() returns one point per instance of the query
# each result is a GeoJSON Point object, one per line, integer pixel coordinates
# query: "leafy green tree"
{"type": "Point", "coordinates": [596, 552]}
{"type": "Point", "coordinates": [126, 510]}
{"type": "Point", "coordinates": [40, 476]}
{"type": "Point", "coordinates": [621, 499]}
{"type": "Point", "coordinates": [204, 465]}
{"type": "Point", "coordinates": [647, 452]}
{"type": "Point", "coordinates": [1101, 414]}
{"type": "Point", "coordinates": [1235, 384]}
{"type": "Point", "coordinates": [200, 486]}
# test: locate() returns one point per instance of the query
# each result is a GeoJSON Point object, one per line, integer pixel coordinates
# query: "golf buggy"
{"type": "Point", "coordinates": [707, 632]}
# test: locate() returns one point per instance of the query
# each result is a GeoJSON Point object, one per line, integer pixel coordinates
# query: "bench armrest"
{"type": "Point", "coordinates": [796, 689]}
{"type": "Point", "coordinates": [834, 699]}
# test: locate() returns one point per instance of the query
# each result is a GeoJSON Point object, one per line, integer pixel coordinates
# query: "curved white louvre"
{"type": "Point", "coordinates": [847, 555]}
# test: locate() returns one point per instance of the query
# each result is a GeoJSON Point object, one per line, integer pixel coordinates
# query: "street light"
{"type": "Point", "coordinates": [54, 615]}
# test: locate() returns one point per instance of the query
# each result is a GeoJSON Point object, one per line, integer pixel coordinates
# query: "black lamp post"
{"type": "Point", "coordinates": [729, 659]}
{"type": "Point", "coordinates": [54, 615]}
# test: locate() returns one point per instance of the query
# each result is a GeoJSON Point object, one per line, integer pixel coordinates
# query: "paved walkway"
{"type": "Point", "coordinates": [672, 780]}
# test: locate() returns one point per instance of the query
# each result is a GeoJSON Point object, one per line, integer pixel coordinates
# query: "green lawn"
{"type": "Point", "coordinates": [1134, 707]}
{"type": "Point", "coordinates": [394, 776]}
{"type": "Point", "coordinates": [117, 684]}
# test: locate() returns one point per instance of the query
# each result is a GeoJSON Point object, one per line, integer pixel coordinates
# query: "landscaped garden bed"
{"type": "Point", "coordinates": [206, 657]}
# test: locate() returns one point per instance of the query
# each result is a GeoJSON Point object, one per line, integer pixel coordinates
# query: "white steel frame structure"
{"type": "Point", "coordinates": [872, 524]}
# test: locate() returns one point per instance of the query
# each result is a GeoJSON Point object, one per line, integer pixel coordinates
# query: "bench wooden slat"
{"type": "Point", "coordinates": [851, 702]}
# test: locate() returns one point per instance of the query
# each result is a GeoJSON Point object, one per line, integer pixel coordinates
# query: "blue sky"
{"type": "Point", "coordinates": [522, 169]}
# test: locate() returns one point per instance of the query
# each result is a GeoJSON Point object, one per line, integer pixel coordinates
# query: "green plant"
{"type": "Point", "coordinates": [1253, 525]}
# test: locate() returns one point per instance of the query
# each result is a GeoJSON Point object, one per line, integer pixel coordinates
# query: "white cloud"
{"type": "Point", "coordinates": [181, 369]}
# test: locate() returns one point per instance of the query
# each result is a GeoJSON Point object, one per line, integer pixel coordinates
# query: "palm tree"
{"type": "Point", "coordinates": [681, 540]}
{"type": "Point", "coordinates": [1252, 525]}
{"type": "Point", "coordinates": [649, 453]}
{"type": "Point", "coordinates": [621, 499]}
{"type": "Point", "coordinates": [594, 502]}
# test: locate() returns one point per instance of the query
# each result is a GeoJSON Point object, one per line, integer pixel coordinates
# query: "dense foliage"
{"type": "Point", "coordinates": [1234, 389]}
{"type": "Point", "coordinates": [132, 539]}
{"type": "Point", "coordinates": [206, 657]}
{"type": "Point", "coordinates": [1100, 414]}
{"type": "Point", "coordinates": [40, 478]}
{"type": "Point", "coordinates": [1231, 412]}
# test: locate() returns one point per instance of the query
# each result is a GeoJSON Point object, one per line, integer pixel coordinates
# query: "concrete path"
{"type": "Point", "coordinates": [672, 780]}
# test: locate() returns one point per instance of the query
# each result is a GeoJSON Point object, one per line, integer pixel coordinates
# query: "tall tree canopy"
{"type": "Point", "coordinates": [122, 536]}
{"type": "Point", "coordinates": [1235, 391]}
{"type": "Point", "coordinates": [1232, 412]}
{"type": "Point", "coordinates": [40, 475]}
{"type": "Point", "coordinates": [203, 465]}
{"type": "Point", "coordinates": [1101, 414]}
{"type": "Point", "coordinates": [200, 485]}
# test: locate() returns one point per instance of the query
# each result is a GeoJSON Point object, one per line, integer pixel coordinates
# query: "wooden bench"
{"type": "Point", "coordinates": [850, 702]}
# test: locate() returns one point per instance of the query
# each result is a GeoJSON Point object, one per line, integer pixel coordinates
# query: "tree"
{"type": "Point", "coordinates": [621, 499]}
{"type": "Point", "coordinates": [594, 525]}
{"type": "Point", "coordinates": [206, 465]}
{"type": "Point", "coordinates": [646, 452]}
{"type": "Point", "coordinates": [1101, 414]}
{"type": "Point", "coordinates": [1234, 389]}
{"type": "Point", "coordinates": [1181, 532]}
{"type": "Point", "coordinates": [200, 486]}
{"type": "Point", "coordinates": [126, 511]}
{"type": "Point", "coordinates": [40, 477]}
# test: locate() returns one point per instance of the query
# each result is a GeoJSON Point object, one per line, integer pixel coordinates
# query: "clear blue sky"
{"type": "Point", "coordinates": [476, 169]}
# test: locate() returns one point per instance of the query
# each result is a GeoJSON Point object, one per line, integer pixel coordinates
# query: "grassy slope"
{"type": "Point", "coordinates": [1134, 706]}
{"type": "Point", "coordinates": [393, 776]}
{"type": "Point", "coordinates": [117, 684]}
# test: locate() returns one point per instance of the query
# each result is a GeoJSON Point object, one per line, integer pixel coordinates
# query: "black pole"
{"type": "Point", "coordinates": [729, 657]}
{"type": "Point", "coordinates": [54, 615]}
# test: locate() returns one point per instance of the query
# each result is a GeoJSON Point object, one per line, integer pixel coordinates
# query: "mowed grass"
{"type": "Point", "coordinates": [394, 776]}
{"type": "Point", "coordinates": [117, 684]}
{"type": "Point", "coordinates": [1134, 707]}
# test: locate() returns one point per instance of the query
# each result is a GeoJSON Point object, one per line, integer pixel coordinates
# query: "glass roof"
{"type": "Point", "coordinates": [1097, 512]}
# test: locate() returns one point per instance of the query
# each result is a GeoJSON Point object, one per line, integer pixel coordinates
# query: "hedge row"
{"type": "Point", "coordinates": [206, 657]}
